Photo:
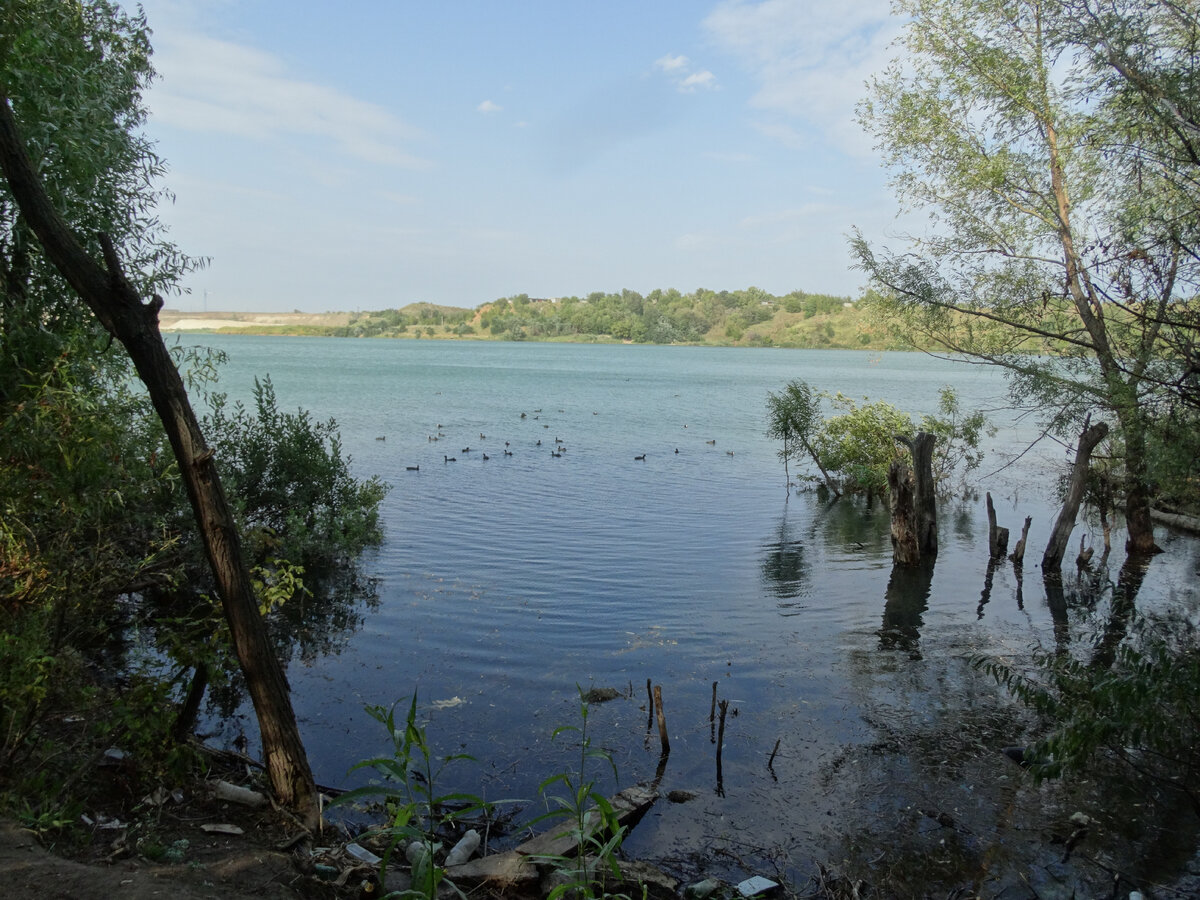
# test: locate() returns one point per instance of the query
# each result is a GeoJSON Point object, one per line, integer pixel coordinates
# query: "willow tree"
{"type": "Point", "coordinates": [1011, 127]}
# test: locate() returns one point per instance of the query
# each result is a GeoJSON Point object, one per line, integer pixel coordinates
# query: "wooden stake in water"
{"type": "Point", "coordinates": [723, 705]}
{"type": "Point", "coordinates": [712, 710]}
{"type": "Point", "coordinates": [662, 720]}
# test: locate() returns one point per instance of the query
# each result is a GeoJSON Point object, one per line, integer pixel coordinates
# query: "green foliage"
{"type": "Point", "coordinates": [587, 817]}
{"type": "Point", "coordinates": [291, 482]}
{"type": "Point", "coordinates": [859, 443]}
{"type": "Point", "coordinates": [854, 449]}
{"type": "Point", "coordinates": [794, 417]}
{"type": "Point", "coordinates": [958, 437]}
{"type": "Point", "coordinates": [416, 813]}
{"type": "Point", "coordinates": [1140, 711]}
{"type": "Point", "coordinates": [1053, 144]}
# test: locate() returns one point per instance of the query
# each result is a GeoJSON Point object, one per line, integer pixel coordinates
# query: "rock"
{"type": "Point", "coordinates": [680, 797]}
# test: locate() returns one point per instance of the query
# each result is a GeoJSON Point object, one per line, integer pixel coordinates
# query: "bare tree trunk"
{"type": "Point", "coordinates": [914, 502]}
{"type": "Point", "coordinates": [119, 309]}
{"type": "Point", "coordinates": [1057, 547]}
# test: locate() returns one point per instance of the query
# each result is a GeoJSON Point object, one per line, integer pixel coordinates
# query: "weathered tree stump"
{"type": "Point", "coordinates": [1018, 554]}
{"type": "Point", "coordinates": [997, 536]}
{"type": "Point", "coordinates": [1057, 546]}
{"type": "Point", "coordinates": [913, 502]}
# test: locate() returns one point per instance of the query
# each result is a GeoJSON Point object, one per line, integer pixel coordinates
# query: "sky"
{"type": "Point", "coordinates": [373, 153]}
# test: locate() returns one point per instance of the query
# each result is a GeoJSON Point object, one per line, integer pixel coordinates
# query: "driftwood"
{"type": "Point", "coordinates": [913, 502]}
{"type": "Point", "coordinates": [629, 805]}
{"type": "Point", "coordinates": [1176, 520]}
{"type": "Point", "coordinates": [1057, 547]}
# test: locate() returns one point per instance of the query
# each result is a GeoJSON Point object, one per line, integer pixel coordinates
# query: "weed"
{"type": "Point", "coordinates": [589, 820]}
{"type": "Point", "coordinates": [417, 814]}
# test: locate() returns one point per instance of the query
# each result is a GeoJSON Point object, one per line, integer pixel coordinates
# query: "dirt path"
{"type": "Point", "coordinates": [216, 868]}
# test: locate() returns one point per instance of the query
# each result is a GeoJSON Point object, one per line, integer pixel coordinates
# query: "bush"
{"type": "Point", "coordinates": [291, 483]}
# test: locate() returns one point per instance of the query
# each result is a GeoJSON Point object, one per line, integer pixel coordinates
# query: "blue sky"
{"type": "Point", "coordinates": [369, 154]}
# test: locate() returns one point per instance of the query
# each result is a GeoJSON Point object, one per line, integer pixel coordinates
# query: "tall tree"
{"type": "Point", "coordinates": [103, 64]}
{"type": "Point", "coordinates": [1004, 123]}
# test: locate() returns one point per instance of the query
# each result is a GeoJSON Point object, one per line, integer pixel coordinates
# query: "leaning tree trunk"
{"type": "Point", "coordinates": [913, 502]}
{"type": "Point", "coordinates": [1057, 547]}
{"type": "Point", "coordinates": [120, 310]}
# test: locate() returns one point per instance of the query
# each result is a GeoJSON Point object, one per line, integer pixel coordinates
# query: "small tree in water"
{"type": "Point", "coordinates": [853, 450]}
{"type": "Point", "coordinates": [794, 417]}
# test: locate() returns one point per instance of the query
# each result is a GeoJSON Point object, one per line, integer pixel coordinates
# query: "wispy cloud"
{"type": "Point", "coordinates": [209, 85]}
{"type": "Point", "coordinates": [697, 80]}
{"type": "Point", "coordinates": [811, 61]}
{"type": "Point", "coordinates": [686, 80]}
{"type": "Point", "coordinates": [671, 63]}
{"type": "Point", "coordinates": [487, 107]}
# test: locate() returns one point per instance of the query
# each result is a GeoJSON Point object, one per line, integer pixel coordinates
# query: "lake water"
{"type": "Point", "coordinates": [505, 583]}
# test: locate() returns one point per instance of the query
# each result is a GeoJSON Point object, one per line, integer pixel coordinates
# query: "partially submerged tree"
{"type": "Point", "coordinates": [794, 417]}
{"type": "Point", "coordinates": [1036, 157]}
{"type": "Point", "coordinates": [854, 449]}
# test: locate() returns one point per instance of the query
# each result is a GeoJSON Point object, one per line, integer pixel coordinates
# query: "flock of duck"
{"type": "Point", "coordinates": [557, 449]}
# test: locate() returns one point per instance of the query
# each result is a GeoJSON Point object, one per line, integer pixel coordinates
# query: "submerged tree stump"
{"type": "Point", "coordinates": [1018, 554]}
{"type": "Point", "coordinates": [913, 502]}
{"type": "Point", "coordinates": [997, 536]}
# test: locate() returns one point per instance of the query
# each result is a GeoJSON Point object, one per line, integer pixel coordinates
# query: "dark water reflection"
{"type": "Point", "coordinates": [904, 606]}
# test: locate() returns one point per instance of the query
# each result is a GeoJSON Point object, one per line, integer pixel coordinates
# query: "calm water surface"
{"type": "Point", "coordinates": [502, 584]}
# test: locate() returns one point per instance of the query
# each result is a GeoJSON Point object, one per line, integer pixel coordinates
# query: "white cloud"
{"type": "Point", "coordinates": [679, 70]}
{"type": "Point", "coordinates": [487, 107]}
{"type": "Point", "coordinates": [705, 79]}
{"type": "Point", "coordinates": [209, 85]}
{"type": "Point", "coordinates": [811, 61]}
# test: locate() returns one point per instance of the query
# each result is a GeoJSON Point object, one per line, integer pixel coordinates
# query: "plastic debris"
{"type": "Point", "coordinates": [415, 852]}
{"type": "Point", "coordinates": [753, 887]}
{"type": "Point", "coordinates": [462, 851]}
{"type": "Point", "coordinates": [701, 889]}
{"type": "Point", "coordinates": [221, 828]}
{"type": "Point", "coordinates": [223, 790]}
{"type": "Point", "coordinates": [362, 854]}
